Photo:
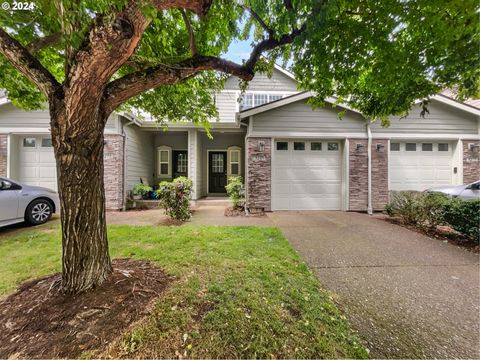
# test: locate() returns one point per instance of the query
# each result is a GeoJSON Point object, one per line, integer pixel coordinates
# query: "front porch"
{"type": "Point", "coordinates": [153, 156]}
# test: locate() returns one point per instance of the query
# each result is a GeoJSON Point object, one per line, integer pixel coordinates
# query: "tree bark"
{"type": "Point", "coordinates": [78, 143]}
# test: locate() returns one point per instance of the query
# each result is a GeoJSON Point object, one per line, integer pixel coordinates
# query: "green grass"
{"type": "Point", "coordinates": [240, 292]}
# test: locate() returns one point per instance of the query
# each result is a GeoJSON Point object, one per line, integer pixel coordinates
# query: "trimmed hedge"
{"type": "Point", "coordinates": [236, 191]}
{"type": "Point", "coordinates": [428, 210]}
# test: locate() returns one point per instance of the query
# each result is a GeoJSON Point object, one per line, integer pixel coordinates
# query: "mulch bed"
{"type": "Point", "coordinates": [231, 211]}
{"type": "Point", "coordinates": [39, 322]}
{"type": "Point", "coordinates": [443, 233]}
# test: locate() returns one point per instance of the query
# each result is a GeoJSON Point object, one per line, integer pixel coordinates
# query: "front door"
{"type": "Point", "coordinates": [217, 171]}
{"type": "Point", "coordinates": [180, 163]}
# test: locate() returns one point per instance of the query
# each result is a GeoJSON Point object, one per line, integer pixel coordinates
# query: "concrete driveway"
{"type": "Point", "coordinates": [409, 296]}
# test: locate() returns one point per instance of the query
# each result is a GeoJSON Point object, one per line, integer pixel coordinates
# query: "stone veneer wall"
{"type": "Point", "coordinates": [358, 176]}
{"type": "Point", "coordinates": [379, 174]}
{"type": "Point", "coordinates": [471, 161]}
{"type": "Point", "coordinates": [259, 174]}
{"type": "Point", "coordinates": [113, 171]}
{"type": "Point", "coordinates": [3, 154]}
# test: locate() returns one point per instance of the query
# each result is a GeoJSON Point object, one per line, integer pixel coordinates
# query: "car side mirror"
{"type": "Point", "coordinates": [5, 185]}
{"type": "Point", "coordinates": [473, 187]}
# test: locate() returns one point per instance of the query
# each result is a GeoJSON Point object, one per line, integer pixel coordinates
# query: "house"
{"type": "Point", "coordinates": [292, 157]}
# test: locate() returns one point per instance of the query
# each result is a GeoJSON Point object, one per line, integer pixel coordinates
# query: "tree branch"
{"type": "Point", "coordinates": [199, 7]}
{"type": "Point", "coordinates": [41, 43]}
{"type": "Point", "coordinates": [193, 45]}
{"type": "Point", "coordinates": [27, 64]}
{"type": "Point", "coordinates": [120, 90]}
{"type": "Point", "coordinates": [262, 23]}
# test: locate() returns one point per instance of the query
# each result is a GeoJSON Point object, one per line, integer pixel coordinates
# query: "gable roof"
{"type": "Point", "coordinates": [333, 100]}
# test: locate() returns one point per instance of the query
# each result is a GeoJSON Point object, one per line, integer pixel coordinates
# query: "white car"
{"type": "Point", "coordinates": [464, 192]}
{"type": "Point", "coordinates": [20, 202]}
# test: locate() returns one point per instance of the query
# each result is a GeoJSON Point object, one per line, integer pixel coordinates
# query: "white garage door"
{"type": "Point", "coordinates": [307, 175]}
{"type": "Point", "coordinates": [37, 162]}
{"type": "Point", "coordinates": [420, 165]}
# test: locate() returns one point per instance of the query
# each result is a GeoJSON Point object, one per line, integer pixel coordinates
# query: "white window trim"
{"type": "Point", "coordinates": [169, 150]}
{"type": "Point", "coordinates": [230, 150]}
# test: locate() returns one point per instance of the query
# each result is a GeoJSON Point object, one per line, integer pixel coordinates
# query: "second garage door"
{"type": "Point", "coordinates": [37, 162]}
{"type": "Point", "coordinates": [415, 165]}
{"type": "Point", "coordinates": [307, 175]}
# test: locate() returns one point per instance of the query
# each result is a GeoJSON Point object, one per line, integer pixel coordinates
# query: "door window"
{"type": "Point", "coordinates": [282, 145]}
{"type": "Point", "coordinates": [182, 163]}
{"type": "Point", "coordinates": [218, 164]}
{"type": "Point", "coordinates": [29, 142]}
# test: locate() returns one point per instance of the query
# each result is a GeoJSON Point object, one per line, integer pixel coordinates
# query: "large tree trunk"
{"type": "Point", "coordinates": [78, 144]}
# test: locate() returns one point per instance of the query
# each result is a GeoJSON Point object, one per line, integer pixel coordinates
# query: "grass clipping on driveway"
{"type": "Point", "coordinates": [241, 292]}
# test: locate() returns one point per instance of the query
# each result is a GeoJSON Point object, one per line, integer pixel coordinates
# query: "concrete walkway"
{"type": "Point", "coordinates": [409, 296]}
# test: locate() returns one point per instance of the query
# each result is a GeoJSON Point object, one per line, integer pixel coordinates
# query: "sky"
{"type": "Point", "coordinates": [239, 50]}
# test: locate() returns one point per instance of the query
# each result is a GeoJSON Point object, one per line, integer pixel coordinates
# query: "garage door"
{"type": "Point", "coordinates": [307, 175]}
{"type": "Point", "coordinates": [37, 162]}
{"type": "Point", "coordinates": [420, 165]}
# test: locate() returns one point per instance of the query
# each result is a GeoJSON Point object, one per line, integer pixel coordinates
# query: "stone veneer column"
{"type": "Point", "coordinates": [471, 161]}
{"type": "Point", "coordinates": [358, 175]}
{"type": "Point", "coordinates": [259, 162]}
{"type": "Point", "coordinates": [379, 174]}
{"type": "Point", "coordinates": [113, 171]}
{"type": "Point", "coordinates": [3, 154]}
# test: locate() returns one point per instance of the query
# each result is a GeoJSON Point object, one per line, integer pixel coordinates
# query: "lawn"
{"type": "Point", "coordinates": [240, 292]}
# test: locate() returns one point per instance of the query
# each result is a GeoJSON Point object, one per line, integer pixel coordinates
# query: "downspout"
{"type": "Point", "coordinates": [369, 156]}
{"type": "Point", "coordinates": [124, 185]}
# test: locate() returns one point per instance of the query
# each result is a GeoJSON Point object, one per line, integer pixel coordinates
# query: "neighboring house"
{"type": "Point", "coordinates": [292, 157]}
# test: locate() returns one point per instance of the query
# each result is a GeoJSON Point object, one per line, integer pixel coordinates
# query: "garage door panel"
{"type": "Point", "coordinates": [37, 165]}
{"type": "Point", "coordinates": [306, 179]}
{"type": "Point", "coordinates": [420, 170]}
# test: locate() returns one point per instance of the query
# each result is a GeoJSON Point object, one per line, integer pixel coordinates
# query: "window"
{"type": "Point", "coordinates": [164, 166]}
{"type": "Point", "coordinates": [46, 142]}
{"type": "Point", "coordinates": [217, 163]}
{"type": "Point", "coordinates": [246, 101]}
{"type": "Point", "coordinates": [182, 163]}
{"type": "Point", "coordinates": [298, 145]}
{"type": "Point", "coordinates": [427, 147]}
{"type": "Point", "coordinates": [282, 145]}
{"type": "Point", "coordinates": [394, 146]}
{"type": "Point", "coordinates": [260, 99]}
{"type": "Point", "coordinates": [411, 147]}
{"type": "Point", "coordinates": [275, 97]}
{"type": "Point", "coordinates": [29, 142]}
{"type": "Point", "coordinates": [443, 147]}
{"type": "Point", "coordinates": [234, 162]}
{"type": "Point", "coordinates": [333, 146]}
{"type": "Point", "coordinates": [315, 146]}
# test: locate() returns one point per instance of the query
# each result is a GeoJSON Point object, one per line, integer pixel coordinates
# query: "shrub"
{"type": "Point", "coordinates": [141, 189]}
{"type": "Point", "coordinates": [236, 191]}
{"type": "Point", "coordinates": [175, 197]}
{"type": "Point", "coordinates": [464, 217]}
{"type": "Point", "coordinates": [432, 206]}
{"type": "Point", "coordinates": [407, 206]}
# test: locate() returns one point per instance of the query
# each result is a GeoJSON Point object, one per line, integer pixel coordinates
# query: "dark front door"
{"type": "Point", "coordinates": [180, 163]}
{"type": "Point", "coordinates": [217, 172]}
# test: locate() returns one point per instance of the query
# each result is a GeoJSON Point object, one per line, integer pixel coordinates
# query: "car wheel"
{"type": "Point", "coordinates": [38, 212]}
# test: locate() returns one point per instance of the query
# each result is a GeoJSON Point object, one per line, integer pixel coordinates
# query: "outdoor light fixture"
{"type": "Point", "coordinates": [360, 147]}
{"type": "Point", "coordinates": [473, 147]}
{"type": "Point", "coordinates": [380, 147]}
{"type": "Point", "coordinates": [261, 146]}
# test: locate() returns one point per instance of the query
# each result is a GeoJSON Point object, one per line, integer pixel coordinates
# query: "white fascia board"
{"type": "Point", "coordinates": [291, 99]}
{"type": "Point", "coordinates": [410, 136]}
{"type": "Point", "coordinates": [284, 71]}
{"type": "Point", "coordinates": [308, 135]}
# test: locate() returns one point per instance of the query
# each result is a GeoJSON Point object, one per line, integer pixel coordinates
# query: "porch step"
{"type": "Point", "coordinates": [213, 201]}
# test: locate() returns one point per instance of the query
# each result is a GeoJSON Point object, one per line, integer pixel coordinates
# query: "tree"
{"type": "Point", "coordinates": [90, 58]}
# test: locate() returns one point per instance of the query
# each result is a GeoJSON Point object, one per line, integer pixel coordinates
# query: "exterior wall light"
{"type": "Point", "coordinates": [360, 147]}
{"type": "Point", "coordinates": [380, 147]}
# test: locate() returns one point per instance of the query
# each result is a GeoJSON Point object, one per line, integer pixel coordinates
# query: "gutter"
{"type": "Point", "coordinates": [124, 185]}
{"type": "Point", "coordinates": [369, 156]}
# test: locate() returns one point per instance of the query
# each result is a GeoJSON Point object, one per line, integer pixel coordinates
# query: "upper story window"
{"type": "Point", "coordinates": [250, 100]}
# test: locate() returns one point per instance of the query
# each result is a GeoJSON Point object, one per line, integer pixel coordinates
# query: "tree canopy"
{"type": "Point", "coordinates": [378, 56]}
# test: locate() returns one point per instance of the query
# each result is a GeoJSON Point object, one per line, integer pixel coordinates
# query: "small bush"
{"type": "Point", "coordinates": [236, 191]}
{"type": "Point", "coordinates": [464, 217]}
{"type": "Point", "coordinates": [141, 189]}
{"type": "Point", "coordinates": [407, 206]}
{"type": "Point", "coordinates": [432, 206]}
{"type": "Point", "coordinates": [175, 197]}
